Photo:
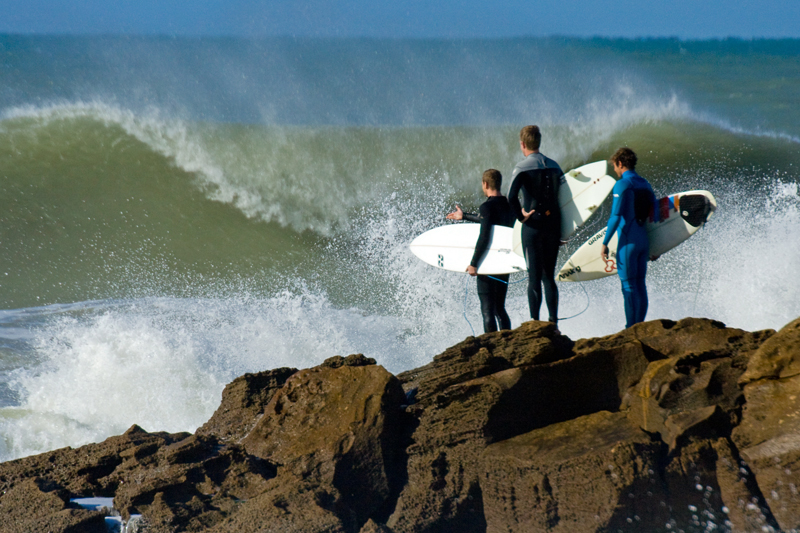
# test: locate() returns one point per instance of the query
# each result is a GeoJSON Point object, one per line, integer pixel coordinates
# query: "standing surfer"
{"type": "Point", "coordinates": [495, 211]}
{"type": "Point", "coordinates": [633, 203]}
{"type": "Point", "coordinates": [538, 177]}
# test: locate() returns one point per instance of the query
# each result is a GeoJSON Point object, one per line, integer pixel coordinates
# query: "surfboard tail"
{"type": "Point", "coordinates": [696, 208]}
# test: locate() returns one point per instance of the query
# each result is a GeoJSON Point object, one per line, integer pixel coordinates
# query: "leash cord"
{"type": "Point", "coordinates": [466, 293]}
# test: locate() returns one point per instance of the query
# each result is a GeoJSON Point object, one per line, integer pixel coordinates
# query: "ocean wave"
{"type": "Point", "coordinates": [108, 203]}
{"type": "Point", "coordinates": [169, 137]}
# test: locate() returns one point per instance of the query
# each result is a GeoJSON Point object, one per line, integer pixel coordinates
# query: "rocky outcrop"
{"type": "Point", "coordinates": [665, 426]}
{"type": "Point", "coordinates": [769, 433]}
{"type": "Point", "coordinates": [243, 402]}
{"type": "Point", "coordinates": [574, 476]}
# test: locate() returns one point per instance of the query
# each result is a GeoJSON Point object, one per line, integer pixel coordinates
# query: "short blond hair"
{"type": "Point", "coordinates": [493, 179]}
{"type": "Point", "coordinates": [531, 137]}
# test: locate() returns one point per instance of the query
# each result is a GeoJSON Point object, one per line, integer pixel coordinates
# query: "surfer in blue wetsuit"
{"type": "Point", "coordinates": [633, 204]}
{"type": "Point", "coordinates": [495, 211]}
{"type": "Point", "coordinates": [538, 177]}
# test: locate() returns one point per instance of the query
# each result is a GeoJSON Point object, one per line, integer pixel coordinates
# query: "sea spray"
{"type": "Point", "coordinates": [162, 363]}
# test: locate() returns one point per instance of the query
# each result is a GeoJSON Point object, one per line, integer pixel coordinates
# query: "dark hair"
{"type": "Point", "coordinates": [493, 179]}
{"type": "Point", "coordinates": [625, 157]}
{"type": "Point", "coordinates": [531, 137]}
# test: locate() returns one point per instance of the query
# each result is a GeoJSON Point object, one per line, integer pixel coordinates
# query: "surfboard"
{"type": "Point", "coordinates": [682, 214]}
{"type": "Point", "coordinates": [451, 247]}
{"type": "Point", "coordinates": [580, 193]}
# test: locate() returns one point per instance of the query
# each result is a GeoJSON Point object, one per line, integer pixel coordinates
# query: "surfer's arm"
{"type": "Point", "coordinates": [472, 217]}
{"type": "Point", "coordinates": [484, 236]}
{"type": "Point", "coordinates": [513, 196]}
{"type": "Point", "coordinates": [458, 214]}
{"type": "Point", "coordinates": [616, 213]}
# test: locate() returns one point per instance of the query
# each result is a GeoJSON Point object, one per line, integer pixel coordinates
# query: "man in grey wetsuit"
{"type": "Point", "coordinates": [538, 178]}
{"type": "Point", "coordinates": [492, 290]}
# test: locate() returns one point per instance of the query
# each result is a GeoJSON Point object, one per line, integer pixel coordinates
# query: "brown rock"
{"type": "Point", "coordinates": [189, 485]}
{"type": "Point", "coordinates": [356, 359]}
{"type": "Point", "coordinates": [595, 473]}
{"type": "Point", "coordinates": [769, 434]}
{"type": "Point", "coordinates": [38, 505]}
{"type": "Point", "coordinates": [533, 342]}
{"type": "Point", "coordinates": [744, 508]}
{"type": "Point", "coordinates": [455, 423]}
{"type": "Point", "coordinates": [629, 359]}
{"type": "Point", "coordinates": [664, 339]}
{"type": "Point", "coordinates": [243, 402]}
{"type": "Point", "coordinates": [336, 427]}
{"type": "Point", "coordinates": [442, 491]}
{"type": "Point", "coordinates": [179, 482]}
{"type": "Point", "coordinates": [693, 376]}
{"type": "Point", "coordinates": [85, 471]}
{"type": "Point", "coordinates": [703, 422]}
{"type": "Point", "coordinates": [702, 490]}
{"type": "Point", "coordinates": [288, 506]}
{"type": "Point", "coordinates": [372, 527]}
{"type": "Point", "coordinates": [777, 358]}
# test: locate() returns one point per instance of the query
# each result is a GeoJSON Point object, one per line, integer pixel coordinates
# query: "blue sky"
{"type": "Point", "coordinates": [686, 19]}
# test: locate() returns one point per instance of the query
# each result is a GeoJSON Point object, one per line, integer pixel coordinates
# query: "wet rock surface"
{"type": "Point", "coordinates": [665, 426]}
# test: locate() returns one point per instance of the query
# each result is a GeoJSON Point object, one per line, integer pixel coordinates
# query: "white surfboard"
{"type": "Point", "coordinates": [580, 193]}
{"type": "Point", "coordinates": [682, 214]}
{"type": "Point", "coordinates": [451, 247]}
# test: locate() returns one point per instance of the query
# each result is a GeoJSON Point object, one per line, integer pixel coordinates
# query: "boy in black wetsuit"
{"type": "Point", "coordinates": [494, 211]}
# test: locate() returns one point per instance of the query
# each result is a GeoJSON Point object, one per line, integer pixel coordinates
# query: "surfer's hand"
{"type": "Point", "coordinates": [604, 252]}
{"type": "Point", "coordinates": [527, 214]}
{"type": "Point", "coordinates": [458, 214]}
{"type": "Point", "coordinates": [472, 271]}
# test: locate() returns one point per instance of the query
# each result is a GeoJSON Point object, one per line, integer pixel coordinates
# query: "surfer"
{"type": "Point", "coordinates": [491, 289]}
{"type": "Point", "coordinates": [538, 177]}
{"type": "Point", "coordinates": [633, 203]}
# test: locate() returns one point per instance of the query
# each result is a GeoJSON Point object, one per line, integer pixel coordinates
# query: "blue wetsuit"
{"type": "Point", "coordinates": [633, 248]}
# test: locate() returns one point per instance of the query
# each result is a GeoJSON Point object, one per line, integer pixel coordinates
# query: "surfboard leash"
{"type": "Point", "coordinates": [584, 309]}
{"type": "Point", "coordinates": [700, 278]}
{"type": "Point", "coordinates": [585, 292]}
{"type": "Point", "coordinates": [506, 282]}
{"type": "Point", "coordinates": [466, 293]}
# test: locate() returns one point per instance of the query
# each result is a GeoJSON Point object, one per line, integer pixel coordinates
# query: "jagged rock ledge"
{"type": "Point", "coordinates": [662, 427]}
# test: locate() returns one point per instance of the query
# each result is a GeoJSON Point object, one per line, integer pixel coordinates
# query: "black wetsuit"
{"type": "Point", "coordinates": [495, 211]}
{"type": "Point", "coordinates": [538, 177]}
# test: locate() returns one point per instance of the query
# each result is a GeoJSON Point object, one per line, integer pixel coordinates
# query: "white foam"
{"type": "Point", "coordinates": [750, 257]}
{"type": "Point", "coordinates": [162, 363]}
